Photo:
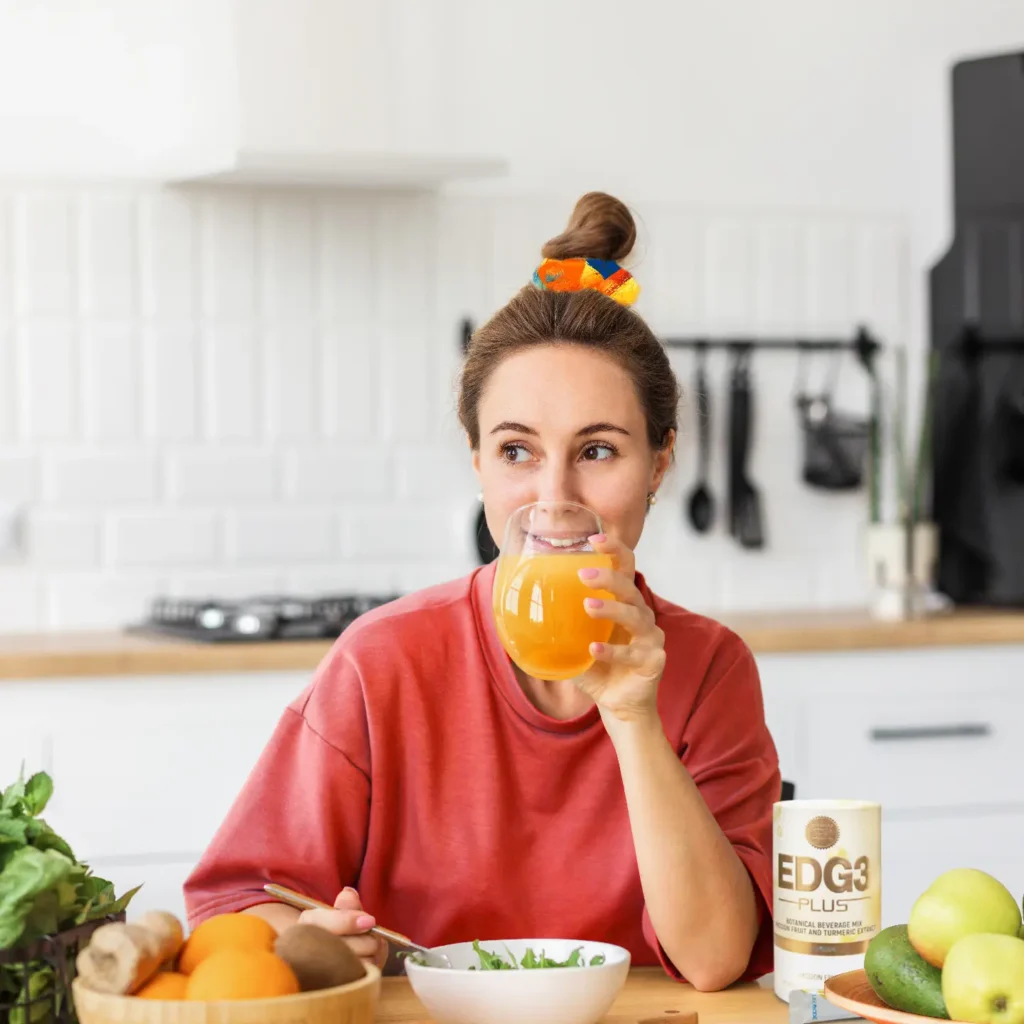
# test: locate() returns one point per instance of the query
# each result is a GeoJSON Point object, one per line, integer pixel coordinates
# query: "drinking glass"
{"type": "Point", "coordinates": [538, 596]}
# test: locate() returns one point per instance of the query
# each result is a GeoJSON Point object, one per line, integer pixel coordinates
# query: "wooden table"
{"type": "Point", "coordinates": [649, 995]}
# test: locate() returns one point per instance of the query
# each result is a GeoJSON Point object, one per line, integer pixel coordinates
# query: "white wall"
{"type": "Point", "coordinates": [225, 392]}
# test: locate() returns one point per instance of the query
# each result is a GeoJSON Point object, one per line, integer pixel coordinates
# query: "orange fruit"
{"type": "Point", "coordinates": [241, 974]}
{"type": "Point", "coordinates": [225, 931]}
{"type": "Point", "coordinates": [164, 985]}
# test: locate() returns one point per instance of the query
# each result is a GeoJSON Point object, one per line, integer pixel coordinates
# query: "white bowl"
{"type": "Point", "coordinates": [555, 995]}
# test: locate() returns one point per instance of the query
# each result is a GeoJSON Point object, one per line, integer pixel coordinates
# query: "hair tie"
{"type": "Point", "coordinates": [578, 274]}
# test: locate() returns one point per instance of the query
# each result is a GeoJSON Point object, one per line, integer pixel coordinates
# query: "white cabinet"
{"type": "Point", "coordinates": [292, 92]}
{"type": "Point", "coordinates": [928, 733]}
{"type": "Point", "coordinates": [144, 769]}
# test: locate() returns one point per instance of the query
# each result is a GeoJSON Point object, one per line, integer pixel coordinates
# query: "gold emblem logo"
{"type": "Point", "coordinates": [822, 832]}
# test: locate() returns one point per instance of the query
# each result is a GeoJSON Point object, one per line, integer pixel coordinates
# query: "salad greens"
{"type": "Point", "coordinates": [44, 889]}
{"type": "Point", "coordinates": [530, 960]}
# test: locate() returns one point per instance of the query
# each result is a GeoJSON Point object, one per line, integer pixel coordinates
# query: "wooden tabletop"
{"type": "Point", "coordinates": [648, 996]}
{"type": "Point", "coordinates": [53, 655]}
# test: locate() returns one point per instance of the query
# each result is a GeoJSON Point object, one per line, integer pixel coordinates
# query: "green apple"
{"type": "Point", "coordinates": [983, 979]}
{"type": "Point", "coordinates": [960, 902]}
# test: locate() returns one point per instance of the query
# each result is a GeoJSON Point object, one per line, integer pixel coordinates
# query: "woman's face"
{"type": "Point", "coordinates": [564, 423]}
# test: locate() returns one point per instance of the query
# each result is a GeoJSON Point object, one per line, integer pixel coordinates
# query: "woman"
{"type": "Point", "coordinates": [422, 776]}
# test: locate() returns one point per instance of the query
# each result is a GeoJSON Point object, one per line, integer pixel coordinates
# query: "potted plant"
{"type": "Point", "coordinates": [902, 547]}
{"type": "Point", "coordinates": [50, 903]}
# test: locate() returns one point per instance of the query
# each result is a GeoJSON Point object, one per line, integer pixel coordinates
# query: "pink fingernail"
{"type": "Point", "coordinates": [597, 648]}
{"type": "Point", "coordinates": [364, 922]}
{"type": "Point", "coordinates": [598, 538]}
{"type": "Point", "coordinates": [348, 888]}
{"type": "Point", "coordinates": [588, 574]}
{"type": "Point", "coordinates": [593, 602]}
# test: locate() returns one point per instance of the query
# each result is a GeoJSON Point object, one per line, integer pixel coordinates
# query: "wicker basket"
{"type": "Point", "coordinates": [43, 972]}
{"type": "Point", "coordinates": [355, 1003]}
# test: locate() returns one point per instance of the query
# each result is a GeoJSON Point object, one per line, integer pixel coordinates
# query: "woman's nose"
{"type": "Point", "coordinates": [557, 483]}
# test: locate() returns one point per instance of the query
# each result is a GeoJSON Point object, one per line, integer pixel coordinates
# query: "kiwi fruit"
{"type": "Point", "coordinates": [318, 958]}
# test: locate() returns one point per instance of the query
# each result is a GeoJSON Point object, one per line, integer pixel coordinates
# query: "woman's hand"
{"type": "Point", "coordinates": [351, 922]}
{"type": "Point", "coordinates": [623, 681]}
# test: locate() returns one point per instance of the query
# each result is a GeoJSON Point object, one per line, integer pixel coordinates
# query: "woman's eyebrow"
{"type": "Point", "coordinates": [602, 428]}
{"type": "Point", "coordinates": [519, 428]}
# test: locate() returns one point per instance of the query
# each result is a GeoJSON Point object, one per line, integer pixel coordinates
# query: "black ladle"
{"type": "Point", "coordinates": [701, 506]}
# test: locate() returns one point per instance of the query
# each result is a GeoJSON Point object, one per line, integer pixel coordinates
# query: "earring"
{"type": "Point", "coordinates": [480, 496]}
{"type": "Point", "coordinates": [652, 499]}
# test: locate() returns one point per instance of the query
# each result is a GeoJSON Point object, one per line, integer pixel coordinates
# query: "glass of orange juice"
{"type": "Point", "coordinates": [538, 596]}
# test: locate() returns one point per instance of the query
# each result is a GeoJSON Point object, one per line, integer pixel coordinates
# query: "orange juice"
{"type": "Point", "coordinates": [539, 613]}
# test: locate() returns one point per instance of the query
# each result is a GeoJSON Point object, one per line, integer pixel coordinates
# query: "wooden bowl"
{"type": "Point", "coordinates": [852, 991]}
{"type": "Point", "coordinates": [355, 1003]}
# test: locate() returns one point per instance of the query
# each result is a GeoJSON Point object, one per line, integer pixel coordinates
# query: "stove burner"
{"type": "Point", "coordinates": [258, 618]}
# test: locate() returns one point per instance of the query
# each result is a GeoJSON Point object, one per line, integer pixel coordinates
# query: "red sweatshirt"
{"type": "Point", "coordinates": [414, 768]}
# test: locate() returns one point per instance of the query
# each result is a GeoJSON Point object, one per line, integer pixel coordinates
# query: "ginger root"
{"type": "Point", "coordinates": [121, 958]}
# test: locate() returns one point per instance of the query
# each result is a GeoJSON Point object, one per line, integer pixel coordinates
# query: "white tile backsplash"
{"type": "Point", "coordinates": [100, 478]}
{"type": "Point", "coordinates": [174, 537]}
{"type": "Point", "coordinates": [230, 392]}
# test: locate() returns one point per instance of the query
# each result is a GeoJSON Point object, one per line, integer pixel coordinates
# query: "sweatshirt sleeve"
{"type": "Point", "coordinates": [731, 757]}
{"type": "Point", "coordinates": [301, 817]}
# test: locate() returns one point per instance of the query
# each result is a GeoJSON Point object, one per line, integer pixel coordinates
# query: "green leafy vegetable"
{"type": "Point", "coordinates": [44, 889]}
{"type": "Point", "coordinates": [530, 960]}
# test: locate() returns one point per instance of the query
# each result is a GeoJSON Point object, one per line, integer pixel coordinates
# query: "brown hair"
{"type": "Point", "coordinates": [601, 227]}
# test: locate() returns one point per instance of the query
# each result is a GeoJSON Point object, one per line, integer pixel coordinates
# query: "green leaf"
{"type": "Point", "coordinates": [34, 1003]}
{"type": "Point", "coordinates": [29, 875]}
{"type": "Point", "coordinates": [13, 800]}
{"type": "Point", "coordinates": [42, 837]}
{"type": "Point", "coordinates": [13, 831]}
{"type": "Point", "coordinates": [38, 791]}
{"type": "Point", "coordinates": [103, 903]}
{"type": "Point", "coordinates": [490, 961]}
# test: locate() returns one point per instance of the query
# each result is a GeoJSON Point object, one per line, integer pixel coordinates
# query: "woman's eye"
{"type": "Point", "coordinates": [514, 453]}
{"type": "Point", "coordinates": [597, 452]}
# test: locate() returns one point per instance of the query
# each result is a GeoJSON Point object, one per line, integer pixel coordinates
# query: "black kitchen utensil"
{"type": "Point", "coordinates": [745, 517]}
{"type": "Point", "coordinates": [701, 506]}
{"type": "Point", "coordinates": [835, 444]}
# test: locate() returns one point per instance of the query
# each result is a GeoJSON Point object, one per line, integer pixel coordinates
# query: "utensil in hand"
{"type": "Point", "coordinates": [701, 505]}
{"type": "Point", "coordinates": [537, 598]}
{"type": "Point", "coordinates": [302, 902]}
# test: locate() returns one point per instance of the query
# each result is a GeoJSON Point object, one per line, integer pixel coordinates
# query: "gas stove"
{"type": "Point", "coordinates": [256, 619]}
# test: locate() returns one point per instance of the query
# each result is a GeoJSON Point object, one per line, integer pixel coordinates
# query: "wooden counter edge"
{"type": "Point", "coordinates": [70, 655]}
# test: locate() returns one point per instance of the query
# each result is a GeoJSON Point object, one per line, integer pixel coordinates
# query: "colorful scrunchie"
{"type": "Point", "coordinates": [578, 274]}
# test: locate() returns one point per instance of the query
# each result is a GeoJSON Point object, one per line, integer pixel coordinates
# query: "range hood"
{"type": "Point", "coordinates": [319, 93]}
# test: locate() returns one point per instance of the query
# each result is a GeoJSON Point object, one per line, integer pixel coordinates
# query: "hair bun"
{"type": "Point", "coordinates": [601, 227]}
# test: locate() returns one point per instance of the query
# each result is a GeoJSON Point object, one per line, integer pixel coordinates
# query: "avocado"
{"type": "Point", "coordinates": [900, 977]}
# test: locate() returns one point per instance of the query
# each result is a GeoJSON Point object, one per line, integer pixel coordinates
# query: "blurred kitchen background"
{"type": "Point", "coordinates": [240, 241]}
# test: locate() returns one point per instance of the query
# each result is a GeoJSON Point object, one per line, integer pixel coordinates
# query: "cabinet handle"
{"type": "Point", "coordinates": [933, 732]}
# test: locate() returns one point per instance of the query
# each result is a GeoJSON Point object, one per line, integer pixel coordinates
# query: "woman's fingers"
{"type": "Point", "coordinates": [622, 556]}
{"type": "Point", "coordinates": [645, 657]}
{"type": "Point", "coordinates": [619, 586]}
{"type": "Point", "coordinates": [339, 922]}
{"type": "Point", "coordinates": [353, 926]}
{"type": "Point", "coordinates": [636, 621]}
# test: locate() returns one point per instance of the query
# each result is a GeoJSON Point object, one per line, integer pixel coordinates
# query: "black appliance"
{"type": "Point", "coordinates": [977, 339]}
{"type": "Point", "coordinates": [256, 619]}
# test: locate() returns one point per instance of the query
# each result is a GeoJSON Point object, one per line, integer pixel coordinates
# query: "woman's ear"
{"type": "Point", "coordinates": [663, 459]}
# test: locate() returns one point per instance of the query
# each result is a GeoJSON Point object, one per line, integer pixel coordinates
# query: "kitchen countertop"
{"type": "Point", "coordinates": [648, 996]}
{"type": "Point", "coordinates": [51, 655]}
